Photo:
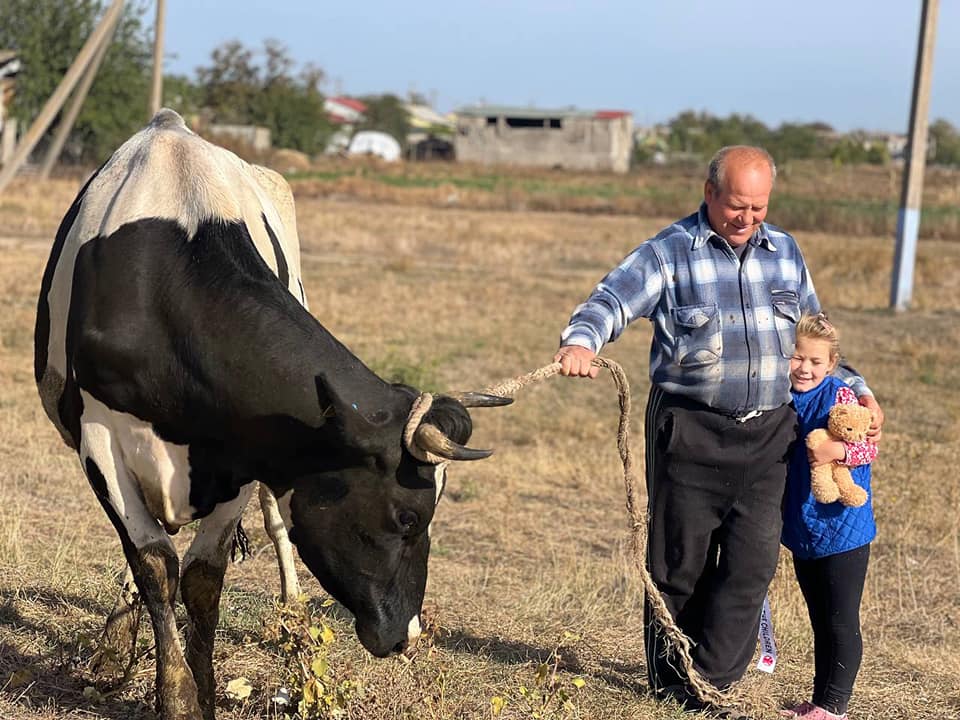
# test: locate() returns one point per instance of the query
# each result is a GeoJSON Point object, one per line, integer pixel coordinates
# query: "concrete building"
{"type": "Point", "coordinates": [568, 138]}
{"type": "Point", "coordinates": [256, 137]}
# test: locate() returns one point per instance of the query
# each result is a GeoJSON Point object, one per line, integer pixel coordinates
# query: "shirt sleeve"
{"type": "Point", "coordinates": [850, 376]}
{"type": "Point", "coordinates": [858, 453]}
{"type": "Point", "coordinates": [629, 291]}
{"type": "Point", "coordinates": [809, 302]}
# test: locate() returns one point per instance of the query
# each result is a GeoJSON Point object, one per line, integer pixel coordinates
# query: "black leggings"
{"type": "Point", "coordinates": [832, 587]}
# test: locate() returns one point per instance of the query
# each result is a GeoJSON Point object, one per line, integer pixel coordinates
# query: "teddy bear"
{"type": "Point", "coordinates": [832, 481]}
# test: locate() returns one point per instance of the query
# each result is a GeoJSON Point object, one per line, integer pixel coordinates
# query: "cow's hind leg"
{"type": "Point", "coordinates": [117, 648]}
{"type": "Point", "coordinates": [200, 587]}
{"type": "Point", "coordinates": [155, 567]}
{"type": "Point", "coordinates": [277, 532]}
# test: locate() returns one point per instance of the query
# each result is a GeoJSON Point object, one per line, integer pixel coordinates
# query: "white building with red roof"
{"type": "Point", "coordinates": [344, 110]}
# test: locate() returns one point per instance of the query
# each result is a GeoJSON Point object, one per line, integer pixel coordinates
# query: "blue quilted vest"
{"type": "Point", "coordinates": [812, 529]}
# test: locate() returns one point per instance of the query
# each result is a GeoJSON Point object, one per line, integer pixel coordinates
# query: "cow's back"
{"type": "Point", "coordinates": [167, 172]}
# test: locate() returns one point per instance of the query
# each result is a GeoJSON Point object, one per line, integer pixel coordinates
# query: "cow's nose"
{"type": "Point", "coordinates": [399, 647]}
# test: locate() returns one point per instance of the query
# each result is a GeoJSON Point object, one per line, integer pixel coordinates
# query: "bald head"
{"type": "Point", "coordinates": [739, 156]}
{"type": "Point", "coordinates": [737, 191]}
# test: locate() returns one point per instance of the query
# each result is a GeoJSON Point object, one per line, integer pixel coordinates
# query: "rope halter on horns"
{"type": "Point", "coordinates": [427, 443]}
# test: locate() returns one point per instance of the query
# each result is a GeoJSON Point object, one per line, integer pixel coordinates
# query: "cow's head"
{"type": "Point", "coordinates": [361, 519]}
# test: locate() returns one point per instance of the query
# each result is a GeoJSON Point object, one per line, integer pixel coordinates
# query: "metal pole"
{"type": "Point", "coordinates": [40, 125]}
{"type": "Point", "coordinates": [156, 95]}
{"type": "Point", "coordinates": [911, 198]}
{"type": "Point", "coordinates": [79, 95]}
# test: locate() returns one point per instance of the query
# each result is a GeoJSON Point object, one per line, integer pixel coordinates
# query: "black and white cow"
{"type": "Point", "coordinates": [175, 354]}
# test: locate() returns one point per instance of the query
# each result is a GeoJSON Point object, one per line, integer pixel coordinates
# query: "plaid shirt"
{"type": "Point", "coordinates": [724, 326]}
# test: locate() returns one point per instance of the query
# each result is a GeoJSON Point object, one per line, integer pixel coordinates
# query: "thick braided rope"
{"type": "Point", "coordinates": [420, 408]}
{"type": "Point", "coordinates": [638, 523]}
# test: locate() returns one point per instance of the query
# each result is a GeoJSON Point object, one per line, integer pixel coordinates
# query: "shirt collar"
{"type": "Point", "coordinates": [704, 232]}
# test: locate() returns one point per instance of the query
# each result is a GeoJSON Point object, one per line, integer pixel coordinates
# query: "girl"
{"type": "Point", "coordinates": [830, 542]}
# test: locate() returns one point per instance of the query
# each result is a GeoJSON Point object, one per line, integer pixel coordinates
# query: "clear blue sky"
{"type": "Point", "coordinates": [849, 63]}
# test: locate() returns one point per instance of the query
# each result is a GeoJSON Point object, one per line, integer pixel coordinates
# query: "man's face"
{"type": "Point", "coordinates": [737, 208]}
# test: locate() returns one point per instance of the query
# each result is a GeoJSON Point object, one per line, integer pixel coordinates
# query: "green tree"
{"type": "Point", "coordinates": [688, 133]}
{"type": "Point", "coordinates": [292, 107]}
{"type": "Point", "coordinates": [387, 114]}
{"type": "Point", "coordinates": [236, 88]}
{"type": "Point", "coordinates": [230, 84]}
{"type": "Point", "coordinates": [793, 141]}
{"type": "Point", "coordinates": [182, 94]}
{"type": "Point", "coordinates": [48, 35]}
{"type": "Point", "coordinates": [945, 142]}
{"type": "Point", "coordinates": [703, 134]}
{"type": "Point", "coordinates": [850, 149]}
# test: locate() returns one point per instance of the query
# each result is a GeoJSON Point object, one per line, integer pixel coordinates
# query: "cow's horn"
{"type": "Point", "coordinates": [429, 438]}
{"type": "Point", "coordinates": [470, 399]}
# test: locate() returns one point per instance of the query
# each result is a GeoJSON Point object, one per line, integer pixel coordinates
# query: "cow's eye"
{"type": "Point", "coordinates": [408, 521]}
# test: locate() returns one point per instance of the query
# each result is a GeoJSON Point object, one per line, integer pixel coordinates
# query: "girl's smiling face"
{"type": "Point", "coordinates": [810, 364]}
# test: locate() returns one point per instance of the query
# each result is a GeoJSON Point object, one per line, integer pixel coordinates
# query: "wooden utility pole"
{"type": "Point", "coordinates": [911, 198]}
{"type": "Point", "coordinates": [49, 111]}
{"type": "Point", "coordinates": [156, 94]}
{"type": "Point", "coordinates": [79, 95]}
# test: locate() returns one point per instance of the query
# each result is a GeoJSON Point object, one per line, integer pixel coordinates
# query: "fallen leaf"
{"type": "Point", "coordinates": [239, 689]}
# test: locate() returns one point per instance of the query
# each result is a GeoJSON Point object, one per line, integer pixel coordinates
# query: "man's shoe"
{"type": "Point", "coordinates": [689, 701]}
{"type": "Point", "coordinates": [681, 695]}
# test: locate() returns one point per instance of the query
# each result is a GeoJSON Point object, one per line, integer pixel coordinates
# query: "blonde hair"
{"type": "Point", "coordinates": [819, 327]}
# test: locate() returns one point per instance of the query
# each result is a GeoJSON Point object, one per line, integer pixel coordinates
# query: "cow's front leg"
{"type": "Point", "coordinates": [204, 566]}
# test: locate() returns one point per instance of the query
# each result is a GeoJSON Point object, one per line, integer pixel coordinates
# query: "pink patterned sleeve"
{"type": "Point", "coordinates": [858, 453]}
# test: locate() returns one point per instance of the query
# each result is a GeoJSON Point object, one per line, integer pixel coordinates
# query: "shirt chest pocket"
{"type": "Point", "coordinates": [786, 315]}
{"type": "Point", "coordinates": [697, 334]}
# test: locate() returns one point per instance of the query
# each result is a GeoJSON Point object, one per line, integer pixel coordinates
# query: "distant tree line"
{"type": "Point", "coordinates": [47, 35]}
{"type": "Point", "coordinates": [700, 134]}
{"type": "Point", "coordinates": [239, 85]}
{"type": "Point", "coordinates": [245, 86]}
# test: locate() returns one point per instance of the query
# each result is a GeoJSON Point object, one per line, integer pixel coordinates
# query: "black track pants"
{"type": "Point", "coordinates": [833, 587]}
{"type": "Point", "coordinates": [715, 489]}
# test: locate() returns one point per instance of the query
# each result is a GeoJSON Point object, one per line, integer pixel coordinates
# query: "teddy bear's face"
{"type": "Point", "coordinates": [849, 422]}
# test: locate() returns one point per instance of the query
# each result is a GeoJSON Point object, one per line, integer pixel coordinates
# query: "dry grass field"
{"type": "Point", "coordinates": [531, 563]}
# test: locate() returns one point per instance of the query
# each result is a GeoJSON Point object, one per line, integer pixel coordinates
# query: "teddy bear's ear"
{"type": "Point", "coordinates": [849, 422]}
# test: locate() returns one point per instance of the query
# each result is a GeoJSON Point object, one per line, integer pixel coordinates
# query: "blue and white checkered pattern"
{"type": "Point", "coordinates": [724, 327]}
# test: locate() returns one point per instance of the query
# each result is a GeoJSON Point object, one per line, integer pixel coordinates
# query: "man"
{"type": "Point", "coordinates": [724, 291]}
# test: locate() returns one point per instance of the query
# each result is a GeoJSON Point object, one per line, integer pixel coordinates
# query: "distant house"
{"type": "Point", "coordinates": [431, 134]}
{"type": "Point", "coordinates": [567, 138]}
{"type": "Point", "coordinates": [345, 112]}
{"type": "Point", "coordinates": [895, 144]}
